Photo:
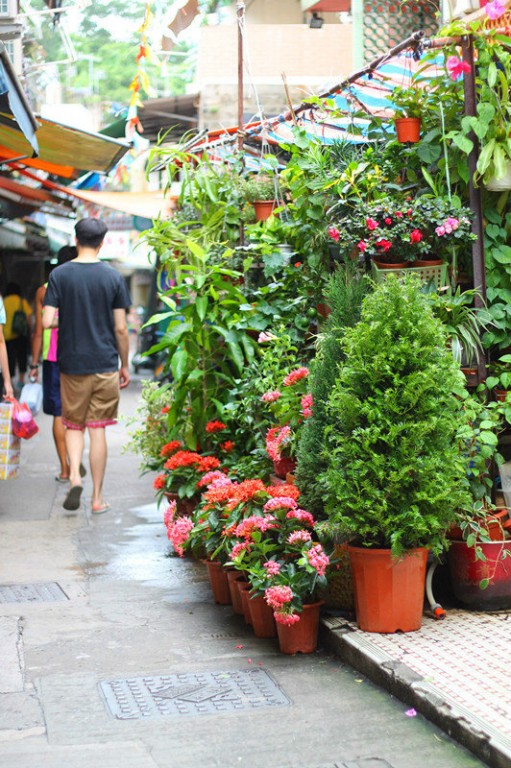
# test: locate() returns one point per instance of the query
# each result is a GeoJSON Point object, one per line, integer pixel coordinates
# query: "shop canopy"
{"type": "Point", "coordinates": [15, 112]}
{"type": "Point", "coordinates": [63, 151]}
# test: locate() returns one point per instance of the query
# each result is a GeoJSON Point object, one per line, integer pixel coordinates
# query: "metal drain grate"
{"type": "Point", "coordinates": [192, 694]}
{"type": "Point", "coordinates": [32, 593]}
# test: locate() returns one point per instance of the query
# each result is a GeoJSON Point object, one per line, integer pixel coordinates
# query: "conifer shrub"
{"type": "Point", "coordinates": [344, 294]}
{"type": "Point", "coordinates": [395, 470]}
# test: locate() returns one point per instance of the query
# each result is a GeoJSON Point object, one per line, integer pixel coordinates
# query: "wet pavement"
{"type": "Point", "coordinates": [119, 657]}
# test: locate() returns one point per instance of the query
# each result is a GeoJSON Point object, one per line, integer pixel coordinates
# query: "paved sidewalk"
{"type": "Point", "coordinates": [454, 671]}
{"type": "Point", "coordinates": [113, 654]}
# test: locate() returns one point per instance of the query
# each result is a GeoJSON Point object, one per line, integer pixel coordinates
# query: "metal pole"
{"type": "Point", "coordinates": [240, 12]}
{"type": "Point", "coordinates": [474, 193]}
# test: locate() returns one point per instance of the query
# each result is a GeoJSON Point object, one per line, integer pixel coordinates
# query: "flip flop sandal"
{"type": "Point", "coordinates": [60, 479]}
{"type": "Point", "coordinates": [99, 510]}
{"type": "Point", "coordinates": [72, 500]}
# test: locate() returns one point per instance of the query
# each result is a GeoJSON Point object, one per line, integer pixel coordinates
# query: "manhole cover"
{"type": "Point", "coordinates": [201, 693]}
{"type": "Point", "coordinates": [32, 593]}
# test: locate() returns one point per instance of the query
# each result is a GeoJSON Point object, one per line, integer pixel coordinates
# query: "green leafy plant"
{"type": "Point", "coordinates": [395, 473]}
{"type": "Point", "coordinates": [206, 343]}
{"type": "Point", "coordinates": [148, 429]}
{"type": "Point", "coordinates": [408, 101]}
{"type": "Point", "coordinates": [260, 186]}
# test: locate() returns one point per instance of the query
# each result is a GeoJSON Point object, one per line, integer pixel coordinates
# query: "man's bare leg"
{"type": "Point", "coordinates": [98, 456]}
{"type": "Point", "coordinates": [59, 436]}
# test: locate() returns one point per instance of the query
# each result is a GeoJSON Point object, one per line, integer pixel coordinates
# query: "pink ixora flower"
{"type": "Point", "coordinates": [294, 376]}
{"type": "Point", "coordinates": [495, 9]}
{"type": "Point", "coordinates": [272, 568]}
{"type": "Point", "coordinates": [440, 230]}
{"type": "Point", "coordinates": [306, 403]}
{"type": "Point", "coordinates": [280, 502]}
{"type": "Point", "coordinates": [288, 619]}
{"type": "Point", "coordinates": [455, 67]}
{"type": "Point", "coordinates": [270, 397]}
{"type": "Point", "coordinates": [302, 516]}
{"type": "Point", "coordinates": [371, 224]}
{"type": "Point", "coordinates": [277, 597]}
{"type": "Point", "coordinates": [239, 548]}
{"type": "Point", "coordinates": [298, 537]}
{"type": "Point", "coordinates": [334, 233]}
{"type": "Point", "coordinates": [318, 559]}
{"type": "Point", "coordinates": [178, 533]}
{"type": "Point", "coordinates": [170, 513]}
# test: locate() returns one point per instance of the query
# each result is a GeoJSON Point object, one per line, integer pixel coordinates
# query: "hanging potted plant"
{"type": "Point", "coordinates": [395, 474]}
{"type": "Point", "coordinates": [408, 104]}
{"type": "Point", "coordinates": [261, 192]}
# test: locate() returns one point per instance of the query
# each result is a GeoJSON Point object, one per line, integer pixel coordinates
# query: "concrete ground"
{"type": "Point", "coordinates": [113, 654]}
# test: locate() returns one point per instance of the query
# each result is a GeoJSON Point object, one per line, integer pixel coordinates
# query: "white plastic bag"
{"type": "Point", "coordinates": [32, 395]}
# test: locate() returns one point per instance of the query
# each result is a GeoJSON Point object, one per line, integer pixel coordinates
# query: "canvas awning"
{"type": "Point", "coordinates": [148, 205]}
{"type": "Point", "coordinates": [15, 196]}
{"type": "Point", "coordinates": [63, 151]}
{"type": "Point", "coordinates": [15, 111]}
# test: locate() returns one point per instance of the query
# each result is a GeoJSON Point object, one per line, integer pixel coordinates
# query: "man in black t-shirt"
{"type": "Point", "coordinates": [91, 299]}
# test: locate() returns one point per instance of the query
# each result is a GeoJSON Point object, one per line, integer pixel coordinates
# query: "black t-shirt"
{"type": "Point", "coordinates": [86, 295]}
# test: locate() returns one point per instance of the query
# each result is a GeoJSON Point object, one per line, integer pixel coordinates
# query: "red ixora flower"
{"type": "Point", "coordinates": [415, 236]}
{"type": "Point", "coordinates": [165, 409]}
{"type": "Point", "coordinates": [215, 426]}
{"type": "Point", "coordinates": [228, 446]}
{"type": "Point", "coordinates": [170, 448]}
{"type": "Point", "coordinates": [208, 463]}
{"type": "Point", "coordinates": [182, 459]}
{"type": "Point", "coordinates": [159, 482]}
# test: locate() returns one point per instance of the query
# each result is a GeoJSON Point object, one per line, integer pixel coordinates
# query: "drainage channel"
{"type": "Point", "coordinates": [192, 694]}
{"type": "Point", "coordinates": [50, 592]}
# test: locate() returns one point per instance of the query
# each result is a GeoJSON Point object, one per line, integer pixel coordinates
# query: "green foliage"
{"type": "Point", "coordinates": [148, 428]}
{"type": "Point", "coordinates": [409, 102]}
{"type": "Point", "coordinates": [395, 473]}
{"type": "Point", "coordinates": [344, 295]}
{"type": "Point", "coordinates": [206, 344]}
{"type": "Point", "coordinates": [259, 186]}
{"type": "Point", "coordinates": [498, 275]}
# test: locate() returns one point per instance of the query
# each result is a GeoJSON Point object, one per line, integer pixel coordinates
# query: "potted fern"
{"type": "Point", "coordinates": [395, 473]}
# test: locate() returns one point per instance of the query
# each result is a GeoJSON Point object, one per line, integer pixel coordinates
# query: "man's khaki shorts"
{"type": "Point", "coordinates": [90, 400]}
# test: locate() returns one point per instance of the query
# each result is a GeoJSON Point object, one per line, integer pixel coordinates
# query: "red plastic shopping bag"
{"type": "Point", "coordinates": [23, 424]}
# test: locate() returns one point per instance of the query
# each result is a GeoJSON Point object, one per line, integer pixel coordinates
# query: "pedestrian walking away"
{"type": "Point", "coordinates": [17, 331]}
{"type": "Point", "coordinates": [44, 344]}
{"type": "Point", "coordinates": [6, 387]}
{"type": "Point", "coordinates": [92, 300]}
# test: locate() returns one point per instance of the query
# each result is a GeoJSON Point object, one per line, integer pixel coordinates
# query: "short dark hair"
{"type": "Point", "coordinates": [66, 253]}
{"type": "Point", "coordinates": [90, 232]}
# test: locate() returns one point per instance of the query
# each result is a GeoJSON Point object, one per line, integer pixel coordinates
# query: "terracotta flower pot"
{"type": "Point", "coordinates": [284, 465]}
{"type": "Point", "coordinates": [391, 264]}
{"type": "Point", "coordinates": [219, 582]}
{"type": "Point", "coordinates": [233, 576]}
{"type": "Point", "coordinates": [261, 616]}
{"type": "Point", "coordinates": [244, 588]}
{"type": "Point", "coordinates": [263, 209]}
{"type": "Point", "coordinates": [389, 593]}
{"type": "Point", "coordinates": [408, 129]}
{"type": "Point", "coordinates": [501, 394]}
{"type": "Point", "coordinates": [301, 637]}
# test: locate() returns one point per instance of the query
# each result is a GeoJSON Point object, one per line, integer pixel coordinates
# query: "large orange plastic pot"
{"type": "Point", "coordinates": [389, 593]}
{"type": "Point", "coordinates": [301, 637]}
{"type": "Point", "coordinates": [219, 583]}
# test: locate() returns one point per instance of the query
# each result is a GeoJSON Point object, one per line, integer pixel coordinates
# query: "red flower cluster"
{"type": "Point", "coordinates": [291, 491]}
{"type": "Point", "coordinates": [294, 376]}
{"type": "Point", "coordinates": [182, 459]}
{"type": "Point", "coordinates": [208, 463]}
{"type": "Point", "coordinates": [215, 426]}
{"type": "Point", "coordinates": [159, 482]}
{"type": "Point", "coordinates": [228, 446]}
{"type": "Point", "coordinates": [170, 448]}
